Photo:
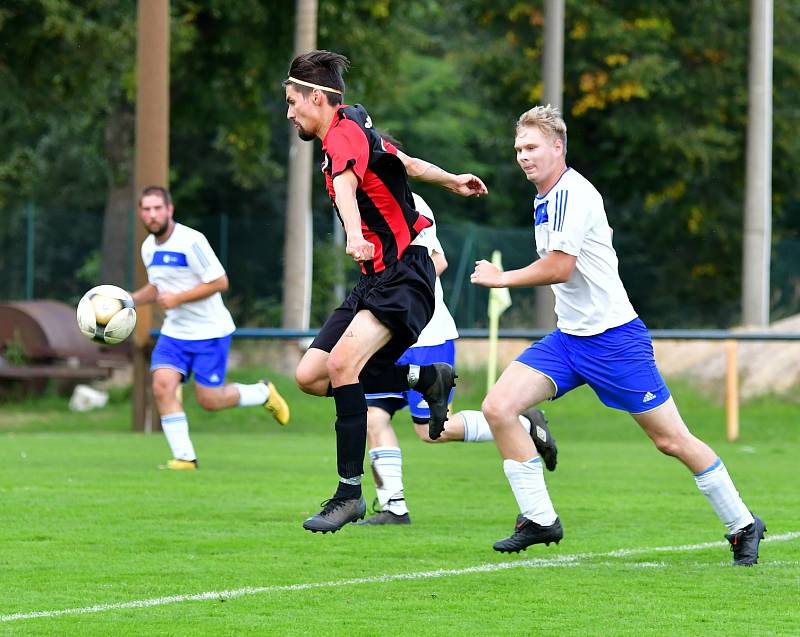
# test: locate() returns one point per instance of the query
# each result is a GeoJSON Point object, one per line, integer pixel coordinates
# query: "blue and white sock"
{"type": "Point", "coordinates": [717, 486]}
{"type": "Point", "coordinates": [527, 483]}
{"type": "Point", "coordinates": [176, 430]}
{"type": "Point", "coordinates": [387, 462]}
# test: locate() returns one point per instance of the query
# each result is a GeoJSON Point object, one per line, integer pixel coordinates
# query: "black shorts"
{"type": "Point", "coordinates": [401, 297]}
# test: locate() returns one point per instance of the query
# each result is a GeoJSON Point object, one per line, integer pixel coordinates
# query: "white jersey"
{"type": "Point", "coordinates": [441, 327]}
{"type": "Point", "coordinates": [570, 217]}
{"type": "Point", "coordinates": [183, 261]}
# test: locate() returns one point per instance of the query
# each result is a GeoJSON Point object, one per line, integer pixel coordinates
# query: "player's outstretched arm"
{"type": "Point", "coordinates": [465, 184]}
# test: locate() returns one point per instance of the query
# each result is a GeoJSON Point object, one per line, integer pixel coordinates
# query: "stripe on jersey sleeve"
{"type": "Point", "coordinates": [201, 256]}
{"type": "Point", "coordinates": [561, 210]}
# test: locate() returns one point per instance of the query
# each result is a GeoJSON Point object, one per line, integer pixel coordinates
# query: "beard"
{"type": "Point", "coordinates": [303, 134]}
{"type": "Point", "coordinates": [159, 231]}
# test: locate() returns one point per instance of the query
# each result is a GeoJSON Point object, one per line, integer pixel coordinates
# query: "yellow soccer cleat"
{"type": "Point", "coordinates": [276, 405]}
{"type": "Point", "coordinates": [179, 465]}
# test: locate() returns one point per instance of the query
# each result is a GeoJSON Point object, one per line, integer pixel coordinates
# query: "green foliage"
{"type": "Point", "coordinates": [14, 351]}
{"type": "Point", "coordinates": [655, 97]}
{"type": "Point", "coordinates": [63, 66]}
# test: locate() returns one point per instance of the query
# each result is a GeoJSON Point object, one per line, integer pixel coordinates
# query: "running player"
{"type": "Point", "coordinates": [186, 279]}
{"type": "Point", "coordinates": [599, 341]}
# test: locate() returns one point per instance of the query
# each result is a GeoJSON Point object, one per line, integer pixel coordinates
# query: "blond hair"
{"type": "Point", "coordinates": [548, 120]}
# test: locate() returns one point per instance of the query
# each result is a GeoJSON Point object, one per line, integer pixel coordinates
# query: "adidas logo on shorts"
{"type": "Point", "coordinates": [648, 397]}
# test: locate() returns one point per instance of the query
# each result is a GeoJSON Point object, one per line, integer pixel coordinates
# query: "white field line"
{"type": "Point", "coordinates": [574, 559]}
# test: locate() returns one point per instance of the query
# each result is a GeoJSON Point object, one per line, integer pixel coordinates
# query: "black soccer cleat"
{"type": "Point", "coordinates": [335, 513]}
{"type": "Point", "coordinates": [437, 396]}
{"type": "Point", "coordinates": [744, 543]}
{"type": "Point", "coordinates": [386, 517]}
{"type": "Point", "coordinates": [542, 438]}
{"type": "Point", "coordinates": [526, 533]}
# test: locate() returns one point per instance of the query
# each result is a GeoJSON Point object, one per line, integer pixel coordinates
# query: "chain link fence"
{"type": "Point", "coordinates": [55, 254]}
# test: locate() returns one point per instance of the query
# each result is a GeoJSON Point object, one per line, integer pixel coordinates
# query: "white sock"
{"type": "Point", "coordinates": [387, 463]}
{"type": "Point", "coordinates": [176, 429]}
{"type": "Point", "coordinates": [717, 486]}
{"type": "Point", "coordinates": [249, 395]}
{"type": "Point", "coordinates": [527, 483]}
{"type": "Point", "coordinates": [476, 429]}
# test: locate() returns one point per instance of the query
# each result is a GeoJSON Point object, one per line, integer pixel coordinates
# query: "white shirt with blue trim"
{"type": "Point", "coordinates": [571, 218]}
{"type": "Point", "coordinates": [441, 327]}
{"type": "Point", "coordinates": [183, 261]}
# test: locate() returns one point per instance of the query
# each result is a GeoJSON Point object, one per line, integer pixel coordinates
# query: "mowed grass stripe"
{"type": "Point", "coordinates": [562, 561]}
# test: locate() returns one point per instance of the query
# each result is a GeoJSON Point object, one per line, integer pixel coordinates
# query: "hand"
{"type": "Point", "coordinates": [469, 185]}
{"type": "Point", "coordinates": [487, 275]}
{"type": "Point", "coordinates": [167, 300]}
{"type": "Point", "coordinates": [360, 249]}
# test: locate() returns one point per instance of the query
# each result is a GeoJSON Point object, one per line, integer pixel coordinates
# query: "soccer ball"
{"type": "Point", "coordinates": [106, 314]}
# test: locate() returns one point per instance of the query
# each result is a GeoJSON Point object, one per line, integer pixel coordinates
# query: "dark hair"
{"type": "Point", "coordinates": [156, 190]}
{"type": "Point", "coordinates": [323, 68]}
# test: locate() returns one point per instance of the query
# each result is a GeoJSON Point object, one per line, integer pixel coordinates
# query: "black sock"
{"type": "Point", "coordinates": [351, 430]}
{"type": "Point", "coordinates": [348, 491]}
{"type": "Point", "coordinates": [427, 376]}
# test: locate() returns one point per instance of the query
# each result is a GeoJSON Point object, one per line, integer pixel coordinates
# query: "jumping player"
{"type": "Point", "coordinates": [393, 300]}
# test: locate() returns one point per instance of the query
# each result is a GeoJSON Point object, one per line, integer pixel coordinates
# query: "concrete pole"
{"type": "Point", "coordinates": [553, 74]}
{"type": "Point", "coordinates": [298, 244]}
{"type": "Point", "coordinates": [152, 168]}
{"type": "Point", "coordinates": [758, 196]}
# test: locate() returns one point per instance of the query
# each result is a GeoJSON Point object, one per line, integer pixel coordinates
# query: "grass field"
{"type": "Point", "coordinates": [94, 540]}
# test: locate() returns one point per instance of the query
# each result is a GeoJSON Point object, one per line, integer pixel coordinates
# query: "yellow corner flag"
{"type": "Point", "coordinates": [499, 302]}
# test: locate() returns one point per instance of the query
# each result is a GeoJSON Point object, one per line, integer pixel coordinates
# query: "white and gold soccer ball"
{"type": "Point", "coordinates": [106, 314]}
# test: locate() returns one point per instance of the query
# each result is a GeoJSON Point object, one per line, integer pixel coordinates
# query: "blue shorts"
{"type": "Point", "coordinates": [395, 401]}
{"type": "Point", "coordinates": [618, 365]}
{"type": "Point", "coordinates": [206, 358]}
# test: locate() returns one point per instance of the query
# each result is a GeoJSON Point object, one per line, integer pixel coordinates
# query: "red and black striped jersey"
{"type": "Point", "coordinates": [389, 220]}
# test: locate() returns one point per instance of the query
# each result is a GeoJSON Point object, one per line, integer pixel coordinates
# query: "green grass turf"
{"type": "Point", "coordinates": [86, 519]}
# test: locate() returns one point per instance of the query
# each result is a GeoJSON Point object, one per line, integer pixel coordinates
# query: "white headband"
{"type": "Point", "coordinates": [311, 85]}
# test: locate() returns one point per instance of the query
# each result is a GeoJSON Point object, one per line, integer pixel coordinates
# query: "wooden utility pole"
{"type": "Point", "coordinates": [756, 249]}
{"type": "Point", "coordinates": [553, 73]}
{"type": "Point", "coordinates": [298, 258]}
{"type": "Point", "coordinates": [152, 168]}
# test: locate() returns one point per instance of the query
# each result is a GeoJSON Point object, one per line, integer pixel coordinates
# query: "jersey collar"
{"type": "Point", "coordinates": [564, 172]}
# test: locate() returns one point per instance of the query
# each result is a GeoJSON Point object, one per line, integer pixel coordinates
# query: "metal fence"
{"type": "Point", "coordinates": [55, 254]}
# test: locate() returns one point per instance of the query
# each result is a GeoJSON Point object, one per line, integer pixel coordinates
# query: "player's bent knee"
{"type": "Point", "coordinates": [162, 391]}
{"type": "Point", "coordinates": [669, 446]}
{"type": "Point", "coordinates": [339, 367]}
{"type": "Point", "coordinates": [493, 409]}
{"type": "Point", "coordinates": [310, 382]}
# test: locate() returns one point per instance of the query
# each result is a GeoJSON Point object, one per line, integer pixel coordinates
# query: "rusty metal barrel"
{"type": "Point", "coordinates": [40, 341]}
